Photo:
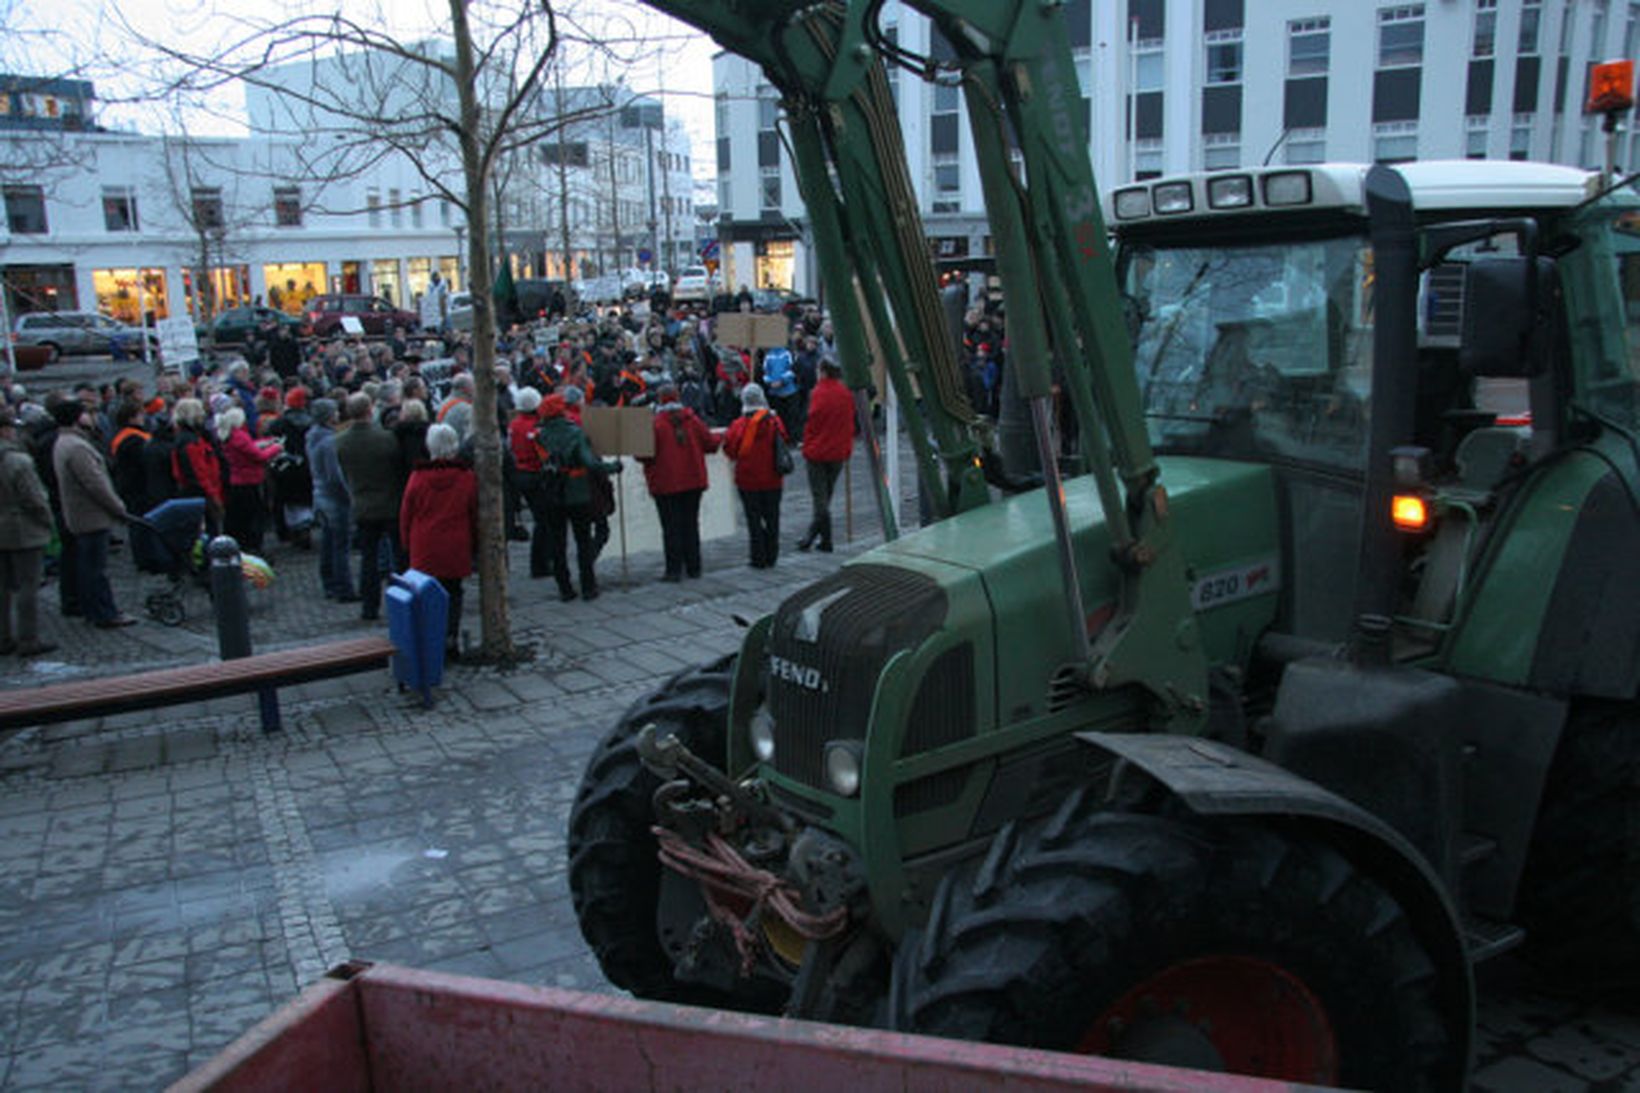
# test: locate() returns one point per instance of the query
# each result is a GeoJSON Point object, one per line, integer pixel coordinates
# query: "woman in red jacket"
{"type": "Point", "coordinates": [676, 475]}
{"type": "Point", "coordinates": [828, 438]}
{"type": "Point", "coordinates": [750, 443]}
{"type": "Point", "coordinates": [247, 460]}
{"type": "Point", "coordinates": [526, 453]}
{"type": "Point", "coordinates": [438, 520]}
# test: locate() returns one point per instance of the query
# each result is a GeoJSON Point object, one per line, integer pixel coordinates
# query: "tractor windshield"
{"type": "Point", "coordinates": [1256, 351]}
{"type": "Point", "coordinates": [1609, 379]}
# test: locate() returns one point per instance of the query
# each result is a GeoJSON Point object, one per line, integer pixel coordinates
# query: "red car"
{"type": "Point", "coordinates": [325, 314]}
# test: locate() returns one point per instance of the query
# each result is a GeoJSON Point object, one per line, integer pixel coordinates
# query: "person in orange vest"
{"type": "Point", "coordinates": [131, 438]}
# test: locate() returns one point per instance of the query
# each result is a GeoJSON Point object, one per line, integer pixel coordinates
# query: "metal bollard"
{"type": "Point", "coordinates": [233, 624]}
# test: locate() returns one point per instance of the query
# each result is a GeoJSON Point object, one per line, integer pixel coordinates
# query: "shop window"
{"type": "Point", "coordinates": [207, 207]}
{"type": "Point", "coordinates": [130, 294]}
{"type": "Point", "coordinates": [119, 209]}
{"type": "Point", "coordinates": [26, 210]}
{"type": "Point", "coordinates": [287, 206]}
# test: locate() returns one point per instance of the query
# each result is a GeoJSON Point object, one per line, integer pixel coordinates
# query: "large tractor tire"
{"type": "Point", "coordinates": [614, 874]}
{"type": "Point", "coordinates": [1223, 945]}
{"type": "Point", "coordinates": [1580, 894]}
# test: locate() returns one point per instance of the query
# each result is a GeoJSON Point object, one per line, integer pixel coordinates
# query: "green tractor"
{"type": "Point", "coordinates": [1309, 684]}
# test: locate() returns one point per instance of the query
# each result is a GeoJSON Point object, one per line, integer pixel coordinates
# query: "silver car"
{"type": "Point", "coordinates": [63, 332]}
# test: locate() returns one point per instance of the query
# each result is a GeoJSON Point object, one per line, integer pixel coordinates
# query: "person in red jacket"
{"type": "Point", "coordinates": [828, 438]}
{"type": "Point", "coordinates": [247, 459]}
{"type": "Point", "coordinates": [676, 476]}
{"type": "Point", "coordinates": [438, 520]}
{"type": "Point", "coordinates": [526, 453]}
{"type": "Point", "coordinates": [750, 444]}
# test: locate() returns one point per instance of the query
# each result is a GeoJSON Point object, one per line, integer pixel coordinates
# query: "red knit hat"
{"type": "Point", "coordinates": [296, 398]}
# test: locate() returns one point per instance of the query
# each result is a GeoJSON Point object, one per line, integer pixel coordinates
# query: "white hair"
{"type": "Point", "coordinates": [229, 420]}
{"type": "Point", "coordinates": [443, 442]}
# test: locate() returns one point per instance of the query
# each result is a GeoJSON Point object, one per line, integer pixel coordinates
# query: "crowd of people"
{"type": "Point", "coordinates": [363, 448]}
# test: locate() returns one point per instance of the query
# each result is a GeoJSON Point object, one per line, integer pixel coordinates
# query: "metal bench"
{"type": "Point", "coordinates": [261, 672]}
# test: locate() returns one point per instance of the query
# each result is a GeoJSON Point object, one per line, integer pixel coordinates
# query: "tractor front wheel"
{"type": "Point", "coordinates": [614, 873]}
{"type": "Point", "coordinates": [1227, 945]}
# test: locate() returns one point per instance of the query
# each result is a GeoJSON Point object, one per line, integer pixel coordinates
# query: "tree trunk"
{"type": "Point", "coordinates": [495, 624]}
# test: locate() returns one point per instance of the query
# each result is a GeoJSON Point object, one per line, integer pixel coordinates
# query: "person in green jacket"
{"type": "Point", "coordinates": [567, 463]}
{"type": "Point", "coordinates": [25, 529]}
{"type": "Point", "coordinates": [373, 466]}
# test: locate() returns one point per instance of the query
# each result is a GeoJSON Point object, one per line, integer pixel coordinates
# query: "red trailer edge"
{"type": "Point", "coordinates": [380, 1027]}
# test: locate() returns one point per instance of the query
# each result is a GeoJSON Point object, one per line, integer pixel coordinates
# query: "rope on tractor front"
{"type": "Point", "coordinates": [722, 872]}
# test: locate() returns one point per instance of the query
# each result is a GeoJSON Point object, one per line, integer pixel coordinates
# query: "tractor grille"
{"type": "Point", "coordinates": [929, 793]}
{"type": "Point", "coordinates": [944, 710]}
{"type": "Point", "coordinates": [828, 645]}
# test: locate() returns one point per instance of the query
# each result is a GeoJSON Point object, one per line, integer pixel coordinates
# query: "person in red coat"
{"type": "Point", "coordinates": [676, 476]}
{"type": "Point", "coordinates": [438, 520]}
{"type": "Point", "coordinates": [828, 438]}
{"type": "Point", "coordinates": [750, 444]}
{"type": "Point", "coordinates": [526, 453]}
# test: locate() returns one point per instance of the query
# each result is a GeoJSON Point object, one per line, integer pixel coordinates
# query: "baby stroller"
{"type": "Point", "coordinates": [163, 542]}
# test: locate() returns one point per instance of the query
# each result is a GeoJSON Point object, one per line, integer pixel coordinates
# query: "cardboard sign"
{"type": "Point", "coordinates": [178, 343]}
{"type": "Point", "coordinates": [620, 430]}
{"type": "Point", "coordinates": [352, 325]}
{"type": "Point", "coordinates": [744, 330]}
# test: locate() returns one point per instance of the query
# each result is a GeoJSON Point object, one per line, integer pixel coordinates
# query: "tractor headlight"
{"type": "Point", "coordinates": [1172, 197]}
{"type": "Point", "coordinates": [761, 734]}
{"type": "Point", "coordinates": [843, 766]}
{"type": "Point", "coordinates": [1132, 204]}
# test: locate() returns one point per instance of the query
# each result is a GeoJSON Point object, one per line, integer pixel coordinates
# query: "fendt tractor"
{"type": "Point", "coordinates": [1228, 721]}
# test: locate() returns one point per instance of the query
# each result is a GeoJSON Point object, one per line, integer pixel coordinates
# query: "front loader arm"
{"type": "Point", "coordinates": [1058, 280]}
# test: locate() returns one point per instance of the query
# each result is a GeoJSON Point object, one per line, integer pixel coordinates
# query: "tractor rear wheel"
{"type": "Point", "coordinates": [1226, 945]}
{"type": "Point", "coordinates": [1580, 894]}
{"type": "Point", "coordinates": [614, 874]}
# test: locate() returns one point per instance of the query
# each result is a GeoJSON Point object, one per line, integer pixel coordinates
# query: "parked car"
{"type": "Point", "coordinates": [535, 296]}
{"type": "Point", "coordinates": [325, 314]}
{"type": "Point", "coordinates": [27, 358]}
{"type": "Point", "coordinates": [641, 282]}
{"type": "Point", "coordinates": [235, 324]}
{"type": "Point", "coordinates": [694, 284]}
{"type": "Point", "coordinates": [63, 332]}
{"type": "Point", "coordinates": [785, 301]}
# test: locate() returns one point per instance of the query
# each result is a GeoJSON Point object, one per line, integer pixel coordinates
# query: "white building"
{"type": "Point", "coordinates": [128, 223]}
{"type": "Point", "coordinates": [1184, 85]}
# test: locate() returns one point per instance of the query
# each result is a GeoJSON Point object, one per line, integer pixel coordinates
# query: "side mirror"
{"type": "Point", "coordinates": [1504, 329]}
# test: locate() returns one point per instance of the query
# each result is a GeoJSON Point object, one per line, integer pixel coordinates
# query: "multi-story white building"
{"type": "Point", "coordinates": [129, 224]}
{"type": "Point", "coordinates": [1185, 85]}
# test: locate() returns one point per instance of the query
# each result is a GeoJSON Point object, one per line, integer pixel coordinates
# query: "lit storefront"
{"type": "Point", "coordinates": [129, 294]}
{"type": "Point", "coordinates": [449, 268]}
{"type": "Point", "coordinates": [776, 263]}
{"type": "Point", "coordinates": [228, 286]}
{"type": "Point", "coordinates": [40, 288]}
{"type": "Point", "coordinates": [384, 280]}
{"type": "Point", "coordinates": [420, 272]}
{"type": "Point", "coordinates": [292, 284]}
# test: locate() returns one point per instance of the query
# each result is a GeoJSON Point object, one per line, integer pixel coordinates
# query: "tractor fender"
{"type": "Point", "coordinates": [1214, 779]}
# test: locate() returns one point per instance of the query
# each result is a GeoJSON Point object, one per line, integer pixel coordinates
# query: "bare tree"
{"type": "Point", "coordinates": [454, 108]}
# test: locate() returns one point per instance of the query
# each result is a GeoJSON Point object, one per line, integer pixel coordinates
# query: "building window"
{"type": "Point", "coordinates": [119, 209]}
{"type": "Point", "coordinates": [768, 107]}
{"type": "Point", "coordinates": [415, 210]}
{"type": "Point", "coordinates": [771, 189]}
{"type": "Point", "coordinates": [373, 207]}
{"type": "Point", "coordinates": [443, 213]}
{"type": "Point", "coordinates": [207, 203]}
{"type": "Point", "coordinates": [723, 197]}
{"type": "Point", "coordinates": [1585, 145]}
{"type": "Point", "coordinates": [26, 210]}
{"type": "Point", "coordinates": [1401, 36]}
{"type": "Point", "coordinates": [1476, 132]}
{"type": "Point", "coordinates": [1395, 141]}
{"type": "Point", "coordinates": [1520, 136]}
{"type": "Point", "coordinates": [395, 208]}
{"type": "Point", "coordinates": [1526, 43]}
{"type": "Point", "coordinates": [1306, 146]}
{"type": "Point", "coordinates": [1221, 151]}
{"type": "Point", "coordinates": [1147, 159]}
{"type": "Point", "coordinates": [1484, 42]}
{"type": "Point", "coordinates": [891, 34]}
{"type": "Point", "coordinates": [947, 175]}
{"type": "Point", "coordinates": [1567, 22]}
{"type": "Point", "coordinates": [1308, 43]}
{"type": "Point", "coordinates": [1597, 31]}
{"type": "Point", "coordinates": [287, 206]}
{"type": "Point", "coordinates": [1224, 57]}
{"type": "Point", "coordinates": [1148, 69]}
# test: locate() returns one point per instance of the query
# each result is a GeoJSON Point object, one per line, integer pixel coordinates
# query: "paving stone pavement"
{"type": "Point", "coordinates": [169, 878]}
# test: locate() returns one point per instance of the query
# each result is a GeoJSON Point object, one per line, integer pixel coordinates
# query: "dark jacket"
{"type": "Point", "coordinates": [438, 521]}
{"type": "Point", "coordinates": [568, 447]}
{"type": "Point", "coordinates": [371, 463]}
{"type": "Point", "coordinates": [25, 510]}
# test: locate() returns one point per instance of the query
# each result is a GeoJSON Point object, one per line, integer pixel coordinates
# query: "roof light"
{"type": "Point", "coordinates": [1611, 88]}
{"type": "Point", "coordinates": [1132, 204]}
{"type": "Point", "coordinates": [1230, 192]}
{"type": "Point", "coordinates": [1409, 512]}
{"type": "Point", "coordinates": [1287, 188]}
{"type": "Point", "coordinates": [1173, 197]}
